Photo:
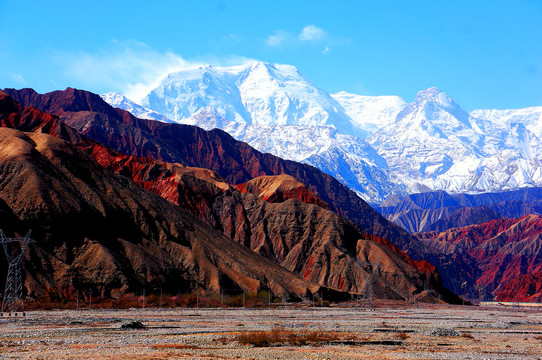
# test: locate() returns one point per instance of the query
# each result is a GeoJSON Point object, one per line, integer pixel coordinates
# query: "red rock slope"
{"type": "Point", "coordinates": [279, 188]}
{"type": "Point", "coordinates": [500, 259]}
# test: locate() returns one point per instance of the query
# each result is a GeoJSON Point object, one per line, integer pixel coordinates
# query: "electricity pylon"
{"type": "Point", "coordinates": [368, 287]}
{"type": "Point", "coordinates": [14, 249]}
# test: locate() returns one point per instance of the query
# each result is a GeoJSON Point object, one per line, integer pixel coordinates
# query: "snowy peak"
{"type": "Point", "coordinates": [432, 101]}
{"type": "Point", "coordinates": [435, 95]}
{"type": "Point", "coordinates": [122, 102]}
{"type": "Point", "coordinates": [429, 144]}
{"type": "Point", "coordinates": [435, 113]}
{"type": "Point", "coordinates": [434, 144]}
{"type": "Point", "coordinates": [258, 94]}
{"type": "Point", "coordinates": [183, 93]}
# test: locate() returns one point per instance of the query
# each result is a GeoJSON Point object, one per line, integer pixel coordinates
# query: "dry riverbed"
{"type": "Point", "coordinates": [391, 331]}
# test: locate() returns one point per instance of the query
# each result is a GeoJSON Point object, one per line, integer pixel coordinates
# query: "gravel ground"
{"type": "Point", "coordinates": [391, 331]}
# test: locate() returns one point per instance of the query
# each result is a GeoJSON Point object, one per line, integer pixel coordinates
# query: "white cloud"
{"type": "Point", "coordinates": [18, 78]}
{"type": "Point", "coordinates": [312, 33]}
{"type": "Point", "coordinates": [132, 67]}
{"type": "Point", "coordinates": [280, 37]}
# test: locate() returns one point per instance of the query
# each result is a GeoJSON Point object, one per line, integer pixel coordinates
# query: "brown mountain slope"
{"type": "Point", "coordinates": [305, 238]}
{"type": "Point", "coordinates": [291, 233]}
{"type": "Point", "coordinates": [234, 161]}
{"type": "Point", "coordinates": [497, 254]}
{"type": "Point", "coordinates": [96, 230]}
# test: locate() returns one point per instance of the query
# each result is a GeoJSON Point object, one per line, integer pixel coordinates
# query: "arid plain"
{"type": "Point", "coordinates": [390, 331]}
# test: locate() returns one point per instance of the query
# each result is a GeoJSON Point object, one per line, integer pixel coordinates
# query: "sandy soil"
{"type": "Point", "coordinates": [389, 332]}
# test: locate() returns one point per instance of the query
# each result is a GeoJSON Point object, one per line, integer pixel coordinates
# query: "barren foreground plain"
{"type": "Point", "coordinates": [390, 331]}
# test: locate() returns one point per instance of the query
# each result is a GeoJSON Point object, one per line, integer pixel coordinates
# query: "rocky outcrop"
{"type": "Point", "coordinates": [280, 188]}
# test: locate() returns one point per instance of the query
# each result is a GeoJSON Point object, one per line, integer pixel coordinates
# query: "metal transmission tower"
{"type": "Point", "coordinates": [14, 249]}
{"type": "Point", "coordinates": [368, 288]}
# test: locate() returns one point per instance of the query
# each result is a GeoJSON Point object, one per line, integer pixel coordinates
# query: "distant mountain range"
{"type": "Point", "coordinates": [377, 146]}
{"type": "Point", "coordinates": [439, 211]}
{"type": "Point", "coordinates": [467, 186]}
{"type": "Point", "coordinates": [486, 246]}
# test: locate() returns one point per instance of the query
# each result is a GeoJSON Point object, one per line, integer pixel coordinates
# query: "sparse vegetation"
{"type": "Point", "coordinates": [280, 336]}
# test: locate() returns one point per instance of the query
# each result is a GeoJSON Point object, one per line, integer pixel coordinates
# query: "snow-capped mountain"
{"type": "Point", "coordinates": [278, 110]}
{"type": "Point", "coordinates": [370, 113]}
{"type": "Point", "coordinates": [429, 144]}
{"type": "Point", "coordinates": [257, 94]}
{"type": "Point", "coordinates": [122, 102]}
{"type": "Point", "coordinates": [434, 144]}
{"type": "Point", "coordinates": [530, 117]}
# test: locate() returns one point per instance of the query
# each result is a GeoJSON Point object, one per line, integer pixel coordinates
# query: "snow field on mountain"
{"type": "Point", "coordinates": [376, 145]}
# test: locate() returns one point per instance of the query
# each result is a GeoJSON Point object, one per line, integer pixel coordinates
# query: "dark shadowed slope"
{"type": "Point", "coordinates": [440, 211]}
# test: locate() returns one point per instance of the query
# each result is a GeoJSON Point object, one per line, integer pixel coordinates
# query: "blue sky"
{"type": "Point", "coordinates": [484, 54]}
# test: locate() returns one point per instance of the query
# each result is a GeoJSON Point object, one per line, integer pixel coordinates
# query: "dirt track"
{"type": "Point", "coordinates": [391, 332]}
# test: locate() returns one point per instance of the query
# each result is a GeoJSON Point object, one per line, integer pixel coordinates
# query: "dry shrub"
{"type": "Point", "coordinates": [256, 338]}
{"type": "Point", "coordinates": [279, 336]}
{"type": "Point", "coordinates": [402, 335]}
{"type": "Point", "coordinates": [467, 335]}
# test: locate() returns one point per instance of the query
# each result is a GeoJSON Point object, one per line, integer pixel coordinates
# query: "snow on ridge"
{"type": "Point", "coordinates": [122, 102]}
{"type": "Point", "coordinates": [376, 145]}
